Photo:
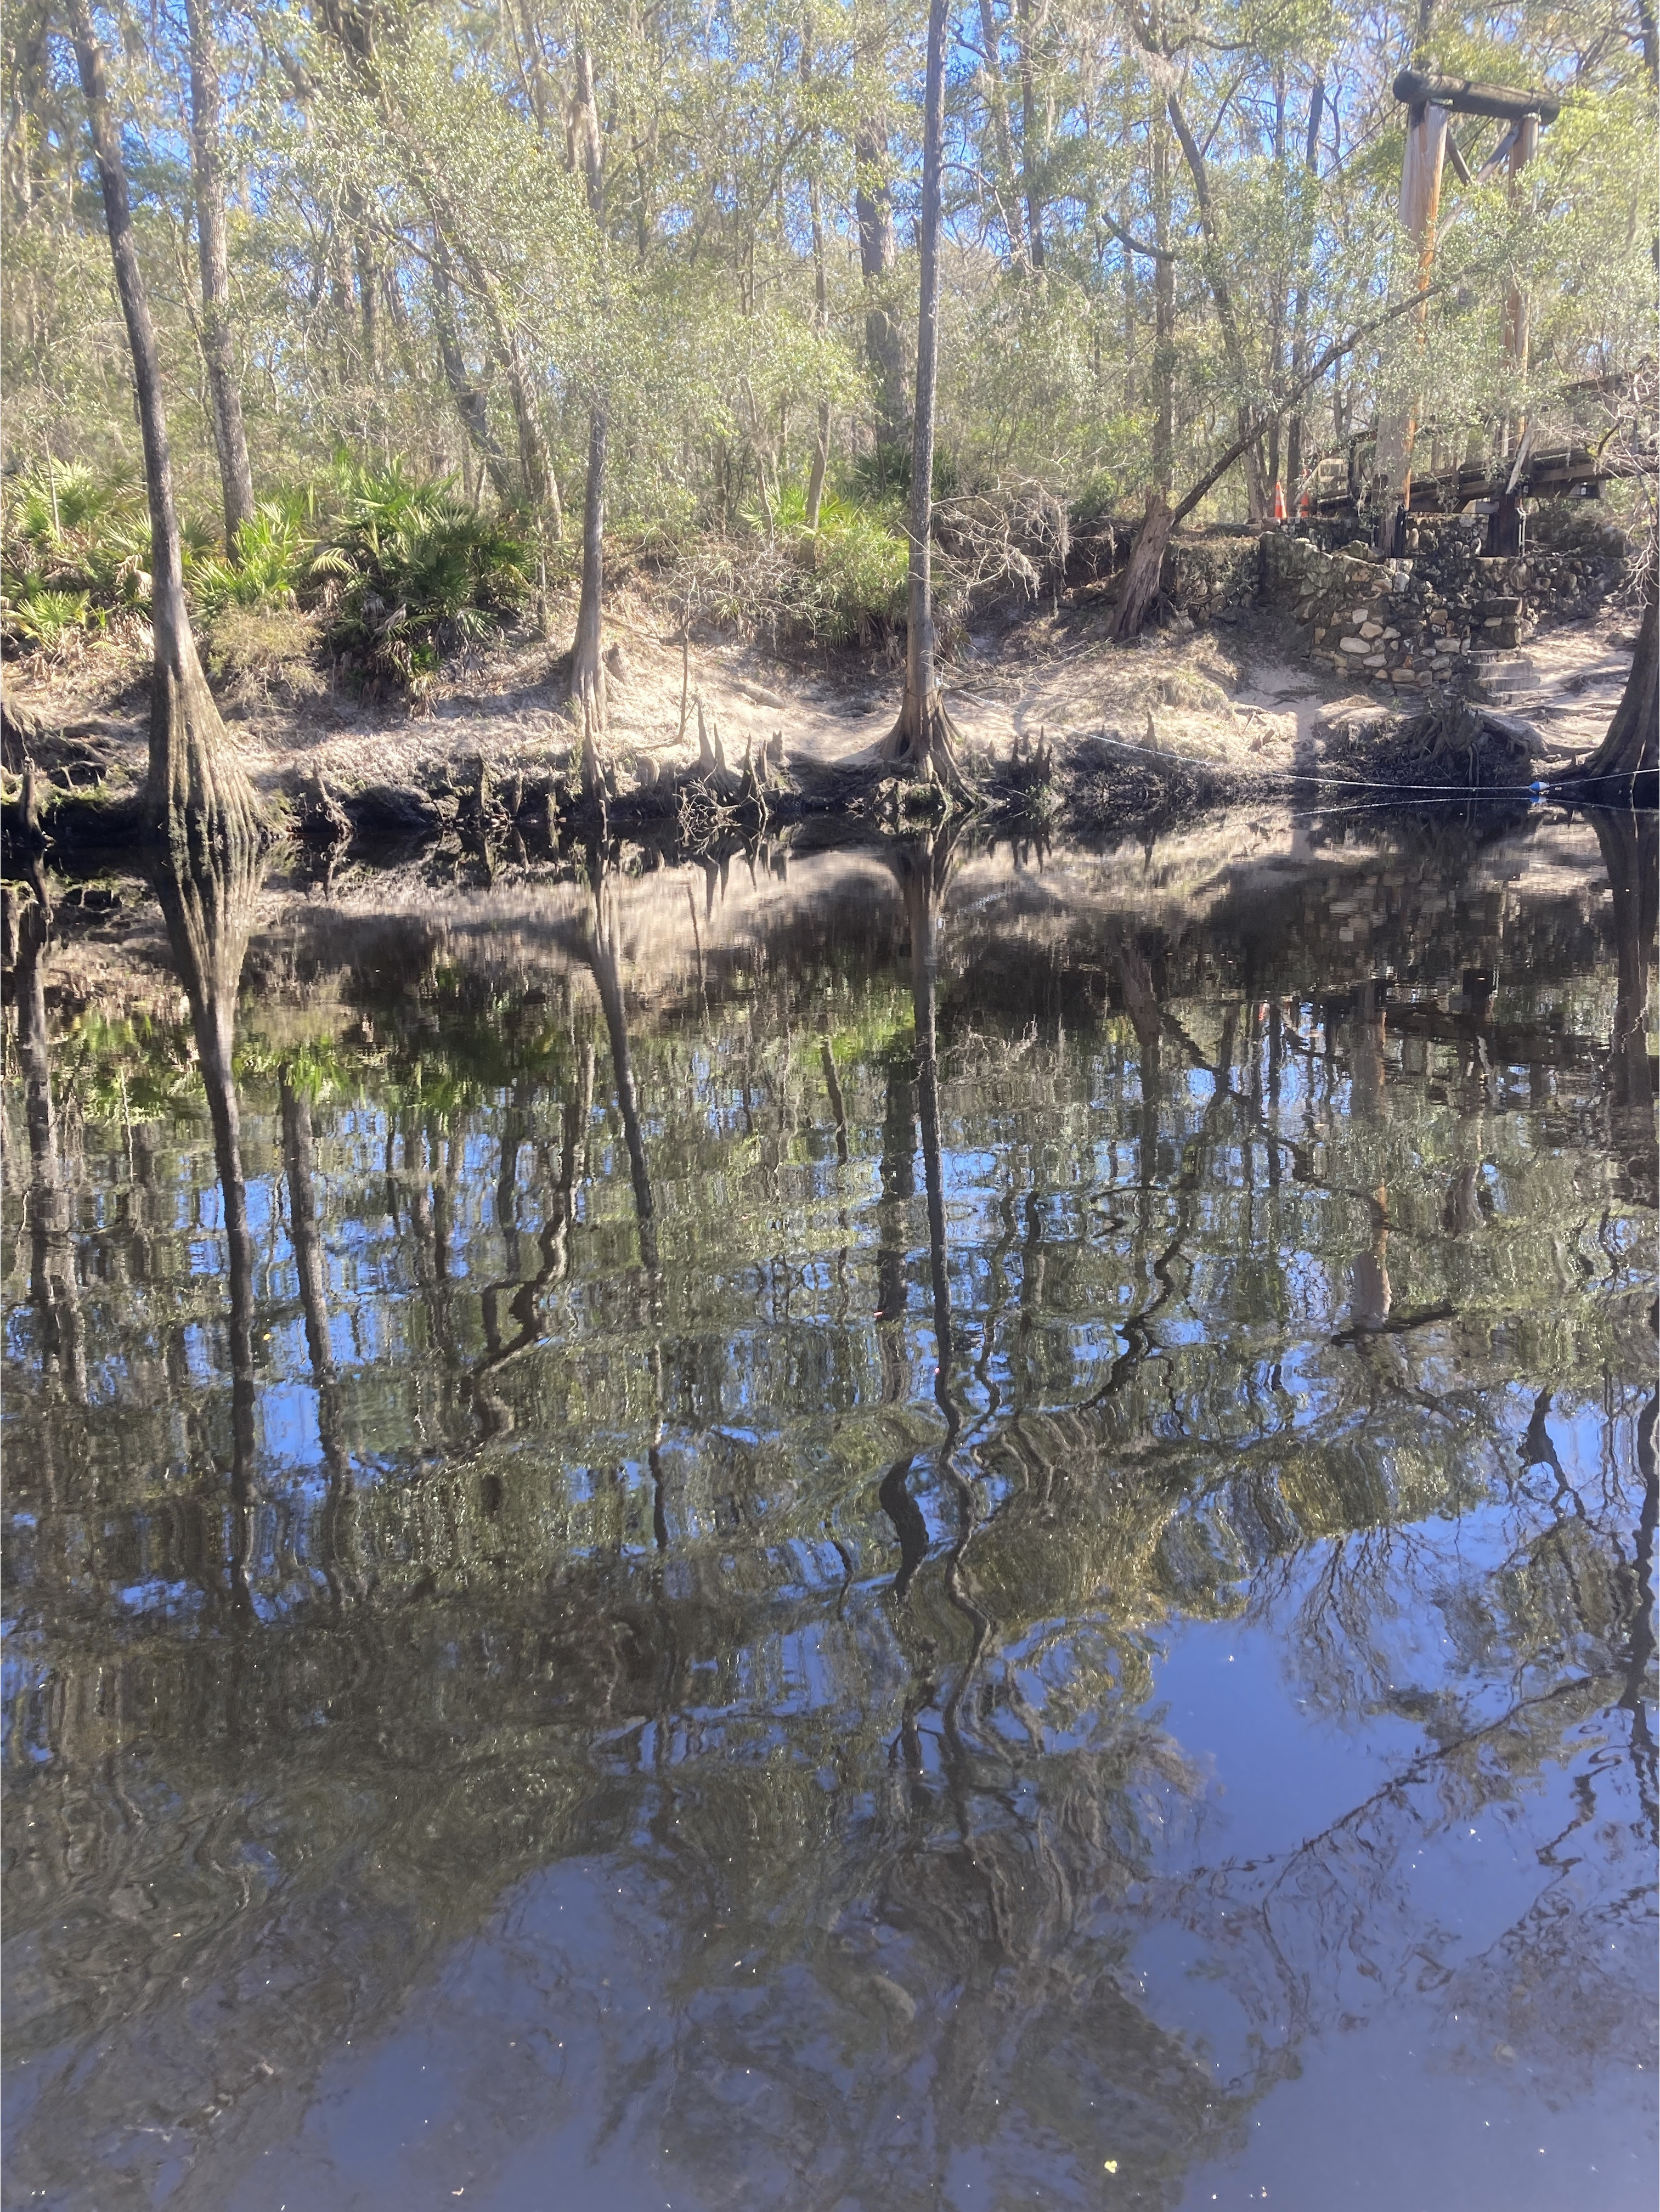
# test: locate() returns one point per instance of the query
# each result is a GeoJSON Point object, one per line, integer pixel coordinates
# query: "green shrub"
{"type": "Point", "coordinates": [884, 473]}
{"type": "Point", "coordinates": [41, 620]}
{"type": "Point", "coordinates": [68, 530]}
{"type": "Point", "coordinates": [411, 574]}
{"type": "Point", "coordinates": [853, 570]}
{"type": "Point", "coordinates": [842, 584]}
{"type": "Point", "coordinates": [270, 564]}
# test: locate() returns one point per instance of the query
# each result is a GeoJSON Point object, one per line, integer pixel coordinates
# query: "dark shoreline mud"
{"type": "Point", "coordinates": [1101, 790]}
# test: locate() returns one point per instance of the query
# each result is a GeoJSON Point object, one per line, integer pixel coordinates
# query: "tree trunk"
{"type": "Point", "coordinates": [1004, 181]}
{"type": "Point", "coordinates": [1222, 293]}
{"type": "Point", "coordinates": [1295, 457]}
{"type": "Point", "coordinates": [197, 791]}
{"type": "Point", "coordinates": [1164, 316]}
{"type": "Point", "coordinates": [820, 462]}
{"type": "Point", "coordinates": [471, 403]}
{"type": "Point", "coordinates": [820, 303]}
{"type": "Point", "coordinates": [452, 227]}
{"type": "Point", "coordinates": [541, 487]}
{"type": "Point", "coordinates": [876, 253]}
{"type": "Point", "coordinates": [1031, 148]}
{"type": "Point", "coordinates": [1629, 749]}
{"type": "Point", "coordinates": [873, 209]}
{"type": "Point", "coordinates": [921, 740]}
{"type": "Point", "coordinates": [588, 668]}
{"type": "Point", "coordinates": [224, 395]}
{"type": "Point", "coordinates": [1141, 576]}
{"type": "Point", "coordinates": [1140, 586]}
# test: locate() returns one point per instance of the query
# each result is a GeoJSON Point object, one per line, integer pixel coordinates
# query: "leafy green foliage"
{"type": "Point", "coordinates": [853, 572]}
{"type": "Point", "coordinates": [48, 621]}
{"type": "Point", "coordinates": [266, 571]}
{"type": "Point", "coordinates": [75, 550]}
{"type": "Point", "coordinates": [842, 584]}
{"type": "Point", "coordinates": [411, 574]}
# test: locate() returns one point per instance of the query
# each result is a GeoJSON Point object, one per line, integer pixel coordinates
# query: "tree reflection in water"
{"type": "Point", "coordinates": [535, 1530]}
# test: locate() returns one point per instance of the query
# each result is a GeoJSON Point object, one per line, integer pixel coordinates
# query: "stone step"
{"type": "Point", "coordinates": [1510, 675]}
{"type": "Point", "coordinates": [1508, 679]}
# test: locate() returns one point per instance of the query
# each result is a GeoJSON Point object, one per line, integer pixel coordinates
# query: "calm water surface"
{"type": "Point", "coordinates": [953, 1530]}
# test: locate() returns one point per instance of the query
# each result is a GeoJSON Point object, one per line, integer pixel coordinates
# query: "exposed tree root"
{"type": "Point", "coordinates": [923, 743]}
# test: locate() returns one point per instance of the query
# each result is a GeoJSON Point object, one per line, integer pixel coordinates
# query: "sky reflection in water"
{"type": "Point", "coordinates": [920, 1531]}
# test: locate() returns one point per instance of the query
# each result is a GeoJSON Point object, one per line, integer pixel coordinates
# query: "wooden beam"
{"type": "Point", "coordinates": [1465, 97]}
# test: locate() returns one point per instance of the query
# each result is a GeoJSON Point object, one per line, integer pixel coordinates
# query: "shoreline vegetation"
{"type": "Point", "coordinates": [717, 743]}
{"type": "Point", "coordinates": [60, 798]}
{"type": "Point", "coordinates": [1143, 295]}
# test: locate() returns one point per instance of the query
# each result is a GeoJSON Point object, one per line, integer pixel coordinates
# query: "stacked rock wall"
{"type": "Point", "coordinates": [1415, 624]}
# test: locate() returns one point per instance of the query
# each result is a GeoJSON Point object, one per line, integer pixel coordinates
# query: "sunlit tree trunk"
{"type": "Point", "coordinates": [1295, 461]}
{"type": "Point", "coordinates": [1031, 138]}
{"type": "Point", "coordinates": [821, 320]}
{"type": "Point", "coordinates": [1164, 316]}
{"type": "Point", "coordinates": [588, 669]}
{"type": "Point", "coordinates": [922, 740]}
{"type": "Point", "coordinates": [820, 299]}
{"type": "Point", "coordinates": [470, 402]}
{"type": "Point", "coordinates": [195, 790]}
{"type": "Point", "coordinates": [1140, 582]}
{"type": "Point", "coordinates": [224, 393]}
{"type": "Point", "coordinates": [873, 210]}
{"type": "Point", "coordinates": [1004, 182]}
{"type": "Point", "coordinates": [1222, 294]}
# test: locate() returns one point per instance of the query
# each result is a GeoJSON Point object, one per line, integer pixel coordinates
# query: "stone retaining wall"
{"type": "Point", "coordinates": [1415, 624]}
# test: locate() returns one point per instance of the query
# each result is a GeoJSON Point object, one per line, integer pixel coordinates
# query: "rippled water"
{"type": "Point", "coordinates": [961, 1530]}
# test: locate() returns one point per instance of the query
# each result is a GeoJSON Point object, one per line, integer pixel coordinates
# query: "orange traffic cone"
{"type": "Point", "coordinates": [1302, 509]}
{"type": "Point", "coordinates": [1279, 501]}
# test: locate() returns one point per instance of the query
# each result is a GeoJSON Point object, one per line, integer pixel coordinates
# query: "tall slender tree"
{"type": "Point", "coordinates": [196, 789]}
{"type": "Point", "coordinates": [873, 211]}
{"type": "Point", "coordinates": [208, 181]}
{"type": "Point", "coordinates": [587, 667]}
{"type": "Point", "coordinates": [924, 739]}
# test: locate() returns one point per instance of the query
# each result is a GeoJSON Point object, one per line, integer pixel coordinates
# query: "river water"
{"type": "Point", "coordinates": [949, 1528]}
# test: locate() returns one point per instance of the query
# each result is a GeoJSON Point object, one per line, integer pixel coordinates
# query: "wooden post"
{"type": "Point", "coordinates": [1420, 204]}
{"type": "Point", "coordinates": [1524, 144]}
{"type": "Point", "coordinates": [1504, 523]}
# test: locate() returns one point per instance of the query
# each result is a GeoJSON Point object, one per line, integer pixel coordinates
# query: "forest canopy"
{"type": "Point", "coordinates": [457, 242]}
